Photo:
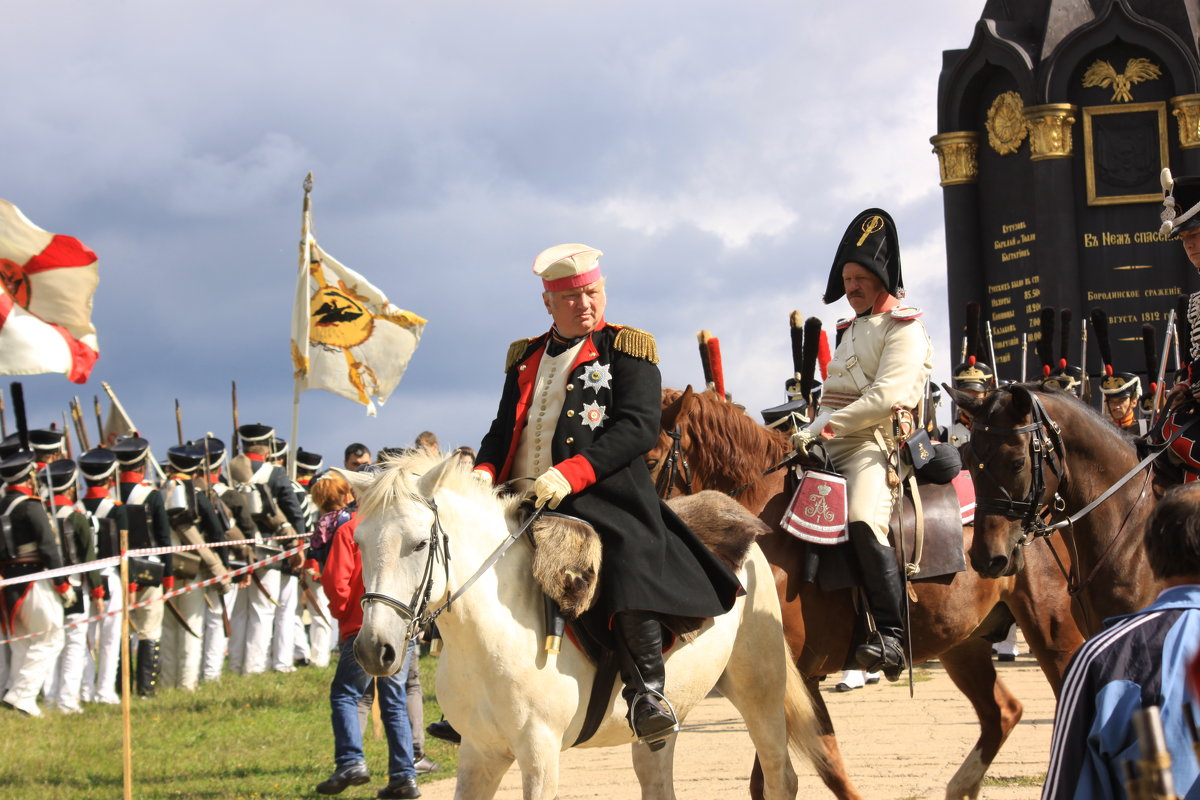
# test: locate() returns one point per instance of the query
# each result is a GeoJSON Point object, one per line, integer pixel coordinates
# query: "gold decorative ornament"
{"type": "Point", "coordinates": [1050, 130]}
{"type": "Point", "coordinates": [637, 343]}
{"type": "Point", "coordinates": [1006, 126]}
{"type": "Point", "coordinates": [1186, 109]}
{"type": "Point", "coordinates": [872, 224]}
{"type": "Point", "coordinates": [958, 157]}
{"type": "Point", "coordinates": [1104, 75]}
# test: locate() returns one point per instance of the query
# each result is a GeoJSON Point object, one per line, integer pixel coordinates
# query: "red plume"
{"type": "Point", "coordinates": [823, 355]}
{"type": "Point", "coordinates": [718, 368]}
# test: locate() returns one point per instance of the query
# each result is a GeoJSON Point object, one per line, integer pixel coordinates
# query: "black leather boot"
{"type": "Point", "coordinates": [147, 667]}
{"type": "Point", "coordinates": [884, 591]}
{"type": "Point", "coordinates": [639, 650]}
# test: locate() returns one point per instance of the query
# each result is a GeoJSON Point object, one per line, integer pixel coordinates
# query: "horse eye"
{"type": "Point", "coordinates": [651, 462]}
{"type": "Point", "coordinates": [1018, 465]}
{"type": "Point", "coordinates": [421, 545]}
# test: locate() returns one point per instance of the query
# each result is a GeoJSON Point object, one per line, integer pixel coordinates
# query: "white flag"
{"type": "Point", "coordinates": [347, 338]}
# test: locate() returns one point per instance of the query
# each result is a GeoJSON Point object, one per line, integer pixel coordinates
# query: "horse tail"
{"type": "Point", "coordinates": [803, 728]}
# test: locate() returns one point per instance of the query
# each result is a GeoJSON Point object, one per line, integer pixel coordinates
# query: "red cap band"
{"type": "Point", "coordinates": [572, 281]}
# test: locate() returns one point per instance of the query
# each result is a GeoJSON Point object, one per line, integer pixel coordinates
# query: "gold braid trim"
{"type": "Point", "coordinates": [637, 343]}
{"type": "Point", "coordinates": [516, 352]}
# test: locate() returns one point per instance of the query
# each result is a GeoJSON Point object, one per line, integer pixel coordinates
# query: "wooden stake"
{"type": "Point", "coordinates": [126, 689]}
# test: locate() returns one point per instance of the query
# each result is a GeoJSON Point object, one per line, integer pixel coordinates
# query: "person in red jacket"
{"type": "Point", "coordinates": [343, 585]}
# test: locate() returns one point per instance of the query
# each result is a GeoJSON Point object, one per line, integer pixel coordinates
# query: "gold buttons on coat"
{"type": "Point", "coordinates": [570, 413]}
{"type": "Point", "coordinates": [570, 440]}
{"type": "Point", "coordinates": [570, 386]}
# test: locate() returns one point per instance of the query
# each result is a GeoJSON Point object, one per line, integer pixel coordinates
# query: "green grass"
{"type": "Point", "coordinates": [1014, 780]}
{"type": "Point", "coordinates": [255, 736]}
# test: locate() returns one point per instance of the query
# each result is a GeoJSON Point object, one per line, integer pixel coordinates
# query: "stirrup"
{"type": "Point", "coordinates": [658, 739]}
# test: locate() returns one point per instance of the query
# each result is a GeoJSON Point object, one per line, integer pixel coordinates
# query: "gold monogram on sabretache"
{"type": "Point", "coordinates": [818, 508]}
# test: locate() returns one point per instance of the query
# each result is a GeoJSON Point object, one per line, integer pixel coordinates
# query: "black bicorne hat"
{"type": "Point", "coordinates": [17, 466]}
{"type": "Point", "coordinates": [872, 242]}
{"type": "Point", "coordinates": [98, 464]}
{"type": "Point", "coordinates": [1181, 203]}
{"type": "Point", "coordinates": [60, 475]}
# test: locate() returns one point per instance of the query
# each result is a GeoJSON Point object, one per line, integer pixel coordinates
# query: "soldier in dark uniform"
{"type": "Point", "coordinates": [314, 645]}
{"type": "Point", "coordinates": [140, 497]}
{"type": "Point", "coordinates": [99, 470]}
{"type": "Point", "coordinates": [581, 404]}
{"type": "Point", "coordinates": [36, 605]}
{"type": "Point", "coordinates": [60, 478]}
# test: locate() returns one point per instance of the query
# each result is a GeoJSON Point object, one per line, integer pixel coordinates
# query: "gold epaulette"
{"type": "Point", "coordinates": [637, 343]}
{"type": "Point", "coordinates": [516, 352]}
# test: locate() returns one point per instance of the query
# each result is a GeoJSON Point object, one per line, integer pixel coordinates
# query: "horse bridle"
{"type": "Point", "coordinates": [1046, 448]}
{"type": "Point", "coordinates": [675, 468]}
{"type": "Point", "coordinates": [415, 611]}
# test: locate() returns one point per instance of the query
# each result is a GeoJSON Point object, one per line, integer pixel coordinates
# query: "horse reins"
{"type": "Point", "coordinates": [675, 469]}
{"type": "Point", "coordinates": [414, 610]}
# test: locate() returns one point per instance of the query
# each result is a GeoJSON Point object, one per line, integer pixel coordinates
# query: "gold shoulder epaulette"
{"type": "Point", "coordinates": [516, 352]}
{"type": "Point", "coordinates": [637, 343]}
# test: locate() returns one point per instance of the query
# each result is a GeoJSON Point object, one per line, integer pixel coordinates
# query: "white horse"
{"type": "Point", "coordinates": [425, 531]}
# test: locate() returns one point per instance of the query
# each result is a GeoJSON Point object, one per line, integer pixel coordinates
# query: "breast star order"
{"type": "Point", "coordinates": [597, 376]}
{"type": "Point", "coordinates": [593, 415]}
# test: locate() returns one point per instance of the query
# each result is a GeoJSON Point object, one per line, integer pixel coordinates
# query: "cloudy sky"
{"type": "Point", "coordinates": [715, 152]}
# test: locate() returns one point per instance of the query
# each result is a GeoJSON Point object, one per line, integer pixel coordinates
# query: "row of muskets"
{"type": "Point", "coordinates": [979, 342]}
{"type": "Point", "coordinates": [1149, 777]}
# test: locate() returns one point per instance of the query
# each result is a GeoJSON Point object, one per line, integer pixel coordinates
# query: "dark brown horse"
{"type": "Point", "coordinates": [719, 447]}
{"type": "Point", "coordinates": [1037, 458]}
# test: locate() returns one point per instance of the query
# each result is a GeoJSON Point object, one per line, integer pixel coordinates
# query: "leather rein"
{"type": "Point", "coordinates": [415, 611]}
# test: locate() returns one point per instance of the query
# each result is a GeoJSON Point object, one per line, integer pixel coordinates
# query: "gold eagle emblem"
{"type": "Point", "coordinates": [1104, 75]}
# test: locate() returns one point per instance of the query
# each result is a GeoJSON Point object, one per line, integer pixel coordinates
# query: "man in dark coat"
{"type": "Point", "coordinates": [581, 405]}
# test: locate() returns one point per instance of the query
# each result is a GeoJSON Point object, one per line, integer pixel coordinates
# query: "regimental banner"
{"type": "Point", "coordinates": [1050, 146]}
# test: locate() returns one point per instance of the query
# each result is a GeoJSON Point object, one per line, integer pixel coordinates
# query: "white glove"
{"type": "Point", "coordinates": [68, 597]}
{"type": "Point", "coordinates": [550, 488]}
{"type": "Point", "coordinates": [482, 476]}
{"type": "Point", "coordinates": [803, 439]}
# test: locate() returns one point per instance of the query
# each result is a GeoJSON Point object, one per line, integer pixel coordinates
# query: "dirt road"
{"type": "Point", "coordinates": [895, 747]}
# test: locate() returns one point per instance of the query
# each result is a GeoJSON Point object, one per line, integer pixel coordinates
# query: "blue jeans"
{"type": "Point", "coordinates": [349, 683]}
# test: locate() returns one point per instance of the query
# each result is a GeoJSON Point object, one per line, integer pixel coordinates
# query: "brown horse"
{"type": "Point", "coordinates": [1038, 457]}
{"type": "Point", "coordinates": [719, 447]}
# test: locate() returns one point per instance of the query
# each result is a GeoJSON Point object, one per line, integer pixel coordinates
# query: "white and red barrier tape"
{"type": "Point", "coordinates": [113, 561]}
{"type": "Point", "coordinates": [233, 573]}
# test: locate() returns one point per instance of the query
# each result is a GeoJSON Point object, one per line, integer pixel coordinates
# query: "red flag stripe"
{"type": "Point", "coordinates": [63, 251]}
{"type": "Point", "coordinates": [83, 358]}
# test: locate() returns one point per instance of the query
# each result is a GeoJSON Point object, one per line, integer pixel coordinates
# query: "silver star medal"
{"type": "Point", "coordinates": [596, 376]}
{"type": "Point", "coordinates": [593, 415]}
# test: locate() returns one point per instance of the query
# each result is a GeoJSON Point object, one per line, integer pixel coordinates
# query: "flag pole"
{"type": "Point", "coordinates": [112, 396]}
{"type": "Point", "coordinates": [301, 281]}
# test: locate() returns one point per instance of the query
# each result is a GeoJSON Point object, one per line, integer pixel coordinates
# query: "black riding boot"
{"type": "Point", "coordinates": [884, 591]}
{"type": "Point", "coordinates": [147, 667]}
{"type": "Point", "coordinates": [639, 648]}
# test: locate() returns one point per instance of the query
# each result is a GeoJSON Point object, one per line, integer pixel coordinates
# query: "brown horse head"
{"type": "Point", "coordinates": [669, 468]}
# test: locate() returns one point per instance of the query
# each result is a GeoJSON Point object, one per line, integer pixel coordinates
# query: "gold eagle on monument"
{"type": "Point", "coordinates": [1104, 75]}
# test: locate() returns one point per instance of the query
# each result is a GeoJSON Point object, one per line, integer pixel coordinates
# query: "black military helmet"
{"type": "Point", "coordinates": [279, 448]}
{"type": "Point", "coordinates": [185, 458]}
{"type": "Point", "coordinates": [17, 466]}
{"type": "Point", "coordinates": [308, 462]}
{"type": "Point", "coordinates": [974, 376]}
{"type": "Point", "coordinates": [130, 450]}
{"type": "Point", "coordinates": [870, 241]}
{"type": "Point", "coordinates": [256, 433]}
{"type": "Point", "coordinates": [9, 445]}
{"type": "Point", "coordinates": [215, 449]}
{"type": "Point", "coordinates": [60, 475]}
{"type": "Point", "coordinates": [98, 464]}
{"type": "Point", "coordinates": [1069, 378]}
{"type": "Point", "coordinates": [1120, 384]}
{"type": "Point", "coordinates": [45, 440]}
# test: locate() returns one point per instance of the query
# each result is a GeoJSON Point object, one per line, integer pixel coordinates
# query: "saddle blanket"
{"type": "Point", "coordinates": [965, 489]}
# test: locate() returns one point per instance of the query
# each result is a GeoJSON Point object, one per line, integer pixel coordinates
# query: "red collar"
{"type": "Point", "coordinates": [885, 302]}
{"type": "Point", "coordinates": [96, 493]}
{"type": "Point", "coordinates": [62, 500]}
{"type": "Point", "coordinates": [259, 457]}
{"type": "Point", "coordinates": [132, 477]}
{"type": "Point", "coordinates": [25, 490]}
{"type": "Point", "coordinates": [304, 481]}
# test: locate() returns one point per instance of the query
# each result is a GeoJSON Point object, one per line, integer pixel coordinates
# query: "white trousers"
{"type": "Point", "coordinates": [1009, 646]}
{"type": "Point", "coordinates": [212, 662]}
{"type": "Point", "coordinates": [31, 659]}
{"type": "Point", "coordinates": [864, 464]}
{"type": "Point", "coordinates": [105, 637]}
{"type": "Point", "coordinates": [254, 616]}
{"type": "Point", "coordinates": [180, 651]}
{"type": "Point", "coordinates": [283, 641]}
{"type": "Point", "coordinates": [66, 683]}
{"type": "Point", "coordinates": [316, 643]}
{"type": "Point", "coordinates": [147, 623]}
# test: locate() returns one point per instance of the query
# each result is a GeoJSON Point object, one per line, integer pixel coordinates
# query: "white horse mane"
{"type": "Point", "coordinates": [397, 481]}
